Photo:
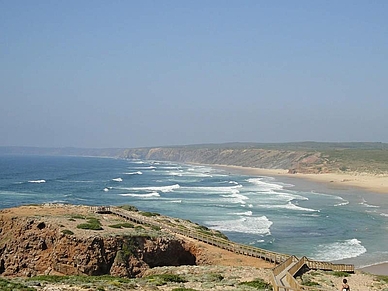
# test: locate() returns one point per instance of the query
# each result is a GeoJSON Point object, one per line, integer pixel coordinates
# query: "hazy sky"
{"type": "Point", "coordinates": [149, 73]}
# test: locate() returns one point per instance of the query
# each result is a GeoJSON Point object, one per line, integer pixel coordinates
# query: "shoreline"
{"type": "Point", "coordinates": [367, 182]}
{"type": "Point", "coordinates": [377, 185]}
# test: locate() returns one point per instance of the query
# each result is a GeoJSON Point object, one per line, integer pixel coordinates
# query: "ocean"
{"type": "Point", "coordinates": [278, 214]}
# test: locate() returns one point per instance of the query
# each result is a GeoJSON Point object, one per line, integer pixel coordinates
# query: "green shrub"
{"type": "Point", "coordinates": [258, 283]}
{"type": "Point", "coordinates": [129, 208]}
{"type": "Point", "coordinates": [340, 274]}
{"type": "Point", "coordinates": [310, 283]}
{"type": "Point", "coordinates": [149, 214]}
{"type": "Point", "coordinates": [77, 216]}
{"type": "Point", "coordinates": [122, 225]}
{"type": "Point", "coordinates": [163, 279]}
{"type": "Point", "coordinates": [214, 277]}
{"type": "Point", "coordinates": [67, 232]}
{"type": "Point", "coordinates": [155, 227]}
{"type": "Point", "coordinates": [382, 278]}
{"type": "Point", "coordinates": [6, 285]}
{"type": "Point", "coordinates": [92, 224]}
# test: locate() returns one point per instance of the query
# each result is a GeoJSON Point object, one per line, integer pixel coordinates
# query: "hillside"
{"type": "Point", "coordinates": [295, 157]}
{"type": "Point", "coordinates": [302, 157]}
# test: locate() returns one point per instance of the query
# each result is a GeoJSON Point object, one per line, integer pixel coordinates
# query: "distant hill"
{"type": "Point", "coordinates": [303, 157]}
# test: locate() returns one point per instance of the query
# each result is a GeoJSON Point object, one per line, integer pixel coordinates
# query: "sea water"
{"type": "Point", "coordinates": [346, 226]}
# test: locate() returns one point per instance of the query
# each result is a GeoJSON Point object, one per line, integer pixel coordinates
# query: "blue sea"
{"type": "Point", "coordinates": [278, 214]}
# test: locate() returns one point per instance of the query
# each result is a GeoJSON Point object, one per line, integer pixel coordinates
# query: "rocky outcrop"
{"type": "Point", "coordinates": [29, 247]}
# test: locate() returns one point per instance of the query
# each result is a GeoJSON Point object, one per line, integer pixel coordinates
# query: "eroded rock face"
{"type": "Point", "coordinates": [30, 247]}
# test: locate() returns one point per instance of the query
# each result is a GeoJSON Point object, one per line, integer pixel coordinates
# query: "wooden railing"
{"type": "Point", "coordinates": [273, 257]}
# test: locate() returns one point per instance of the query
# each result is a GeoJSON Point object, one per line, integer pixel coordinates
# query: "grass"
{"type": "Point", "coordinates": [67, 232]}
{"type": "Point", "coordinates": [122, 225]}
{"type": "Point", "coordinates": [77, 216]}
{"type": "Point", "coordinates": [149, 214]}
{"type": "Point", "coordinates": [92, 224]}
{"type": "Point", "coordinates": [382, 278]}
{"type": "Point", "coordinates": [6, 285]}
{"type": "Point", "coordinates": [163, 279]}
{"type": "Point", "coordinates": [340, 274]}
{"type": "Point", "coordinates": [258, 284]}
{"type": "Point", "coordinates": [129, 208]}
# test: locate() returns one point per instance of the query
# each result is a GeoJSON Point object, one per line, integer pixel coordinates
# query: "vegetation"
{"type": "Point", "coordinates": [207, 231]}
{"type": "Point", "coordinates": [258, 284]}
{"type": "Point", "coordinates": [67, 232]}
{"type": "Point", "coordinates": [149, 214]}
{"type": "Point", "coordinates": [163, 279]}
{"type": "Point", "coordinates": [340, 274]}
{"type": "Point", "coordinates": [92, 224]}
{"type": "Point", "coordinates": [122, 225]}
{"type": "Point", "coordinates": [6, 285]}
{"type": "Point", "coordinates": [129, 208]}
{"type": "Point", "coordinates": [77, 216]}
{"type": "Point", "coordinates": [382, 278]}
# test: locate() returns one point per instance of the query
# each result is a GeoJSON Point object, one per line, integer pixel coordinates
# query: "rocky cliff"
{"type": "Point", "coordinates": [295, 161]}
{"type": "Point", "coordinates": [32, 244]}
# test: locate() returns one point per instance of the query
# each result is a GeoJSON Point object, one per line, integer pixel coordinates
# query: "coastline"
{"type": "Point", "coordinates": [369, 182]}
{"type": "Point", "coordinates": [376, 184]}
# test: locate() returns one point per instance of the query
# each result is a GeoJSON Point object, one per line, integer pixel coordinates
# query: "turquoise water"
{"type": "Point", "coordinates": [280, 215]}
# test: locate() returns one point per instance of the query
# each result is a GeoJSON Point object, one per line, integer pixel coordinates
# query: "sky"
{"type": "Point", "coordinates": [127, 74]}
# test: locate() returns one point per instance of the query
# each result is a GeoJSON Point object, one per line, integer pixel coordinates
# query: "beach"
{"type": "Point", "coordinates": [365, 181]}
{"type": "Point", "coordinates": [377, 184]}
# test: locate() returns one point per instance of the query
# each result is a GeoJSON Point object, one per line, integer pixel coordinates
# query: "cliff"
{"type": "Point", "coordinates": [47, 240]}
{"type": "Point", "coordinates": [300, 161]}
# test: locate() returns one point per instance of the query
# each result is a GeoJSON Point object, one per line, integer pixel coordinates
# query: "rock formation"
{"type": "Point", "coordinates": [33, 246]}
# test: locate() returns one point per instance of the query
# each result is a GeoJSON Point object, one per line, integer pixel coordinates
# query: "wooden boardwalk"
{"type": "Point", "coordinates": [283, 273]}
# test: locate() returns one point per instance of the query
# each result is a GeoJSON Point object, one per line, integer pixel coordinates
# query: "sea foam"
{"type": "Point", "coordinates": [37, 181]}
{"type": "Point", "coordinates": [163, 189]}
{"type": "Point", "coordinates": [134, 173]}
{"type": "Point", "coordinates": [339, 250]}
{"type": "Point", "coordinates": [148, 195]}
{"type": "Point", "coordinates": [254, 225]}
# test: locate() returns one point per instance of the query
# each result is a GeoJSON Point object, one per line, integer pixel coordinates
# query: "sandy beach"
{"type": "Point", "coordinates": [333, 181]}
{"type": "Point", "coordinates": [369, 182]}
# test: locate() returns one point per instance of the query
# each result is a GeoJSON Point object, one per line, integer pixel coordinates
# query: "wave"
{"type": "Point", "coordinates": [179, 174]}
{"type": "Point", "coordinates": [364, 202]}
{"type": "Point", "coordinates": [340, 250]}
{"type": "Point", "coordinates": [253, 225]}
{"type": "Point", "coordinates": [163, 189]}
{"type": "Point", "coordinates": [134, 173]}
{"type": "Point", "coordinates": [37, 181]}
{"type": "Point", "coordinates": [106, 189]}
{"type": "Point", "coordinates": [247, 213]}
{"type": "Point", "coordinates": [265, 186]}
{"type": "Point", "coordinates": [175, 201]}
{"type": "Point", "coordinates": [288, 206]}
{"type": "Point", "coordinates": [235, 198]}
{"type": "Point", "coordinates": [117, 179]}
{"type": "Point", "coordinates": [153, 194]}
{"type": "Point", "coordinates": [146, 168]}
{"type": "Point", "coordinates": [213, 190]}
{"type": "Point", "coordinates": [342, 204]}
